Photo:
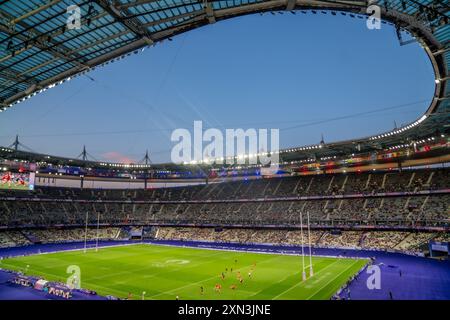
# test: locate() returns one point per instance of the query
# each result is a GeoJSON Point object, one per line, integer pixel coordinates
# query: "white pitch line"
{"type": "Point", "coordinates": [300, 283]}
{"type": "Point", "coordinates": [289, 275]}
{"type": "Point", "coordinates": [191, 265]}
{"type": "Point", "coordinates": [204, 280]}
{"type": "Point", "coordinates": [332, 280]}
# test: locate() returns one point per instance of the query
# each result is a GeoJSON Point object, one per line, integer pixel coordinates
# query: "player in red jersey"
{"type": "Point", "coordinates": [6, 179]}
{"type": "Point", "coordinates": [21, 181]}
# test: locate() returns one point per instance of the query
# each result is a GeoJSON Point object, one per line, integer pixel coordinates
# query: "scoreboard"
{"type": "Point", "coordinates": [437, 248]}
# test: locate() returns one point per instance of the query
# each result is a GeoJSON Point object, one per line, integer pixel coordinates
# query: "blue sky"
{"type": "Point", "coordinates": [292, 72]}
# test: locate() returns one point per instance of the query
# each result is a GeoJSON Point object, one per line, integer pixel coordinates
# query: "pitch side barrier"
{"type": "Point", "coordinates": [283, 199]}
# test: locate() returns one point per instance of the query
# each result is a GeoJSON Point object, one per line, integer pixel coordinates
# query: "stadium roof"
{"type": "Point", "coordinates": [39, 50]}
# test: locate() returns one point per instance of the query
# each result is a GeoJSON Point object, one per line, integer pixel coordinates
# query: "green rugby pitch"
{"type": "Point", "coordinates": [165, 272]}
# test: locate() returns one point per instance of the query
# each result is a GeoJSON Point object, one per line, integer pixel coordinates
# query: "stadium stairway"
{"type": "Point", "coordinates": [361, 240]}
{"type": "Point", "coordinates": [31, 237]}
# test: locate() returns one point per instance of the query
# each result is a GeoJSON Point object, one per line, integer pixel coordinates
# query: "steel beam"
{"type": "Point", "coordinates": [132, 24]}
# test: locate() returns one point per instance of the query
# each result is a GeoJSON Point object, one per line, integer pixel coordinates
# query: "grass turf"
{"type": "Point", "coordinates": [5, 186]}
{"type": "Point", "coordinates": [165, 272]}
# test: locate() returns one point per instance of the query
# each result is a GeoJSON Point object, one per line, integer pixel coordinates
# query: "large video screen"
{"type": "Point", "coordinates": [11, 180]}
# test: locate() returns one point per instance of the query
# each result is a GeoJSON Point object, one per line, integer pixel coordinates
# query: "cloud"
{"type": "Point", "coordinates": [114, 156]}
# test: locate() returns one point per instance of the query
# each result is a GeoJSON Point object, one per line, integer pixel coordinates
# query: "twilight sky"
{"type": "Point", "coordinates": [304, 74]}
